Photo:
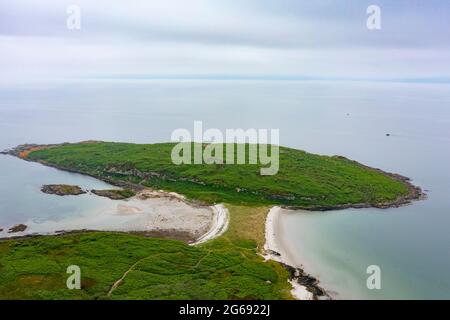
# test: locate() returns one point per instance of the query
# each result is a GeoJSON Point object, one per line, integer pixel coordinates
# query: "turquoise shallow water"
{"type": "Point", "coordinates": [21, 200]}
{"type": "Point", "coordinates": [410, 244]}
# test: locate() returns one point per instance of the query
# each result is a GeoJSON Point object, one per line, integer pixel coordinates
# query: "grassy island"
{"type": "Point", "coordinates": [304, 180]}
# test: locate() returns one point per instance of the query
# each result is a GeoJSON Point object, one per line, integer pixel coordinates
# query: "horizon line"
{"type": "Point", "coordinates": [225, 77]}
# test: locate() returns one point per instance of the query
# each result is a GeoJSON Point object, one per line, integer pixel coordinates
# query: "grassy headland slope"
{"type": "Point", "coordinates": [303, 180]}
{"type": "Point", "coordinates": [226, 268]}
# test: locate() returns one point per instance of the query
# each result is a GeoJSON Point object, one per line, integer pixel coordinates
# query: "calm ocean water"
{"type": "Point", "coordinates": [410, 244]}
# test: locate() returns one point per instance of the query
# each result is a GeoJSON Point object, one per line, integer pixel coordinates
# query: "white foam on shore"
{"type": "Point", "coordinates": [274, 252]}
{"type": "Point", "coordinates": [300, 292]}
{"type": "Point", "coordinates": [219, 224]}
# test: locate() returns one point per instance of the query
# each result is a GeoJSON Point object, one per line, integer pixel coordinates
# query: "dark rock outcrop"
{"type": "Point", "coordinates": [62, 189]}
{"type": "Point", "coordinates": [17, 228]}
{"type": "Point", "coordinates": [114, 194]}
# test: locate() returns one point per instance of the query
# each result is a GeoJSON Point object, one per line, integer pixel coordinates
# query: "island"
{"type": "Point", "coordinates": [62, 190]}
{"type": "Point", "coordinates": [17, 228]}
{"type": "Point", "coordinates": [234, 264]}
{"type": "Point", "coordinates": [71, 190]}
{"type": "Point", "coordinates": [115, 194]}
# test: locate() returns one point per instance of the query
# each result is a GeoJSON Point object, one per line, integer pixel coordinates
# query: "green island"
{"type": "Point", "coordinates": [228, 267]}
{"type": "Point", "coordinates": [62, 189]}
{"type": "Point", "coordinates": [115, 194]}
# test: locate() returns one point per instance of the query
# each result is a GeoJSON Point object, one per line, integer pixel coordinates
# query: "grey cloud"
{"type": "Point", "coordinates": [281, 24]}
{"type": "Point", "coordinates": [245, 37]}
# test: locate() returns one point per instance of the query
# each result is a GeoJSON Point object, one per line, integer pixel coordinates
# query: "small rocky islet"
{"type": "Point", "coordinates": [72, 190]}
{"type": "Point", "coordinates": [115, 194]}
{"type": "Point", "coordinates": [62, 189]}
{"type": "Point", "coordinates": [17, 228]}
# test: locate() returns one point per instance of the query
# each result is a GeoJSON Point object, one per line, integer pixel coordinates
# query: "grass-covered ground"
{"type": "Point", "coordinates": [226, 268]}
{"type": "Point", "coordinates": [303, 179]}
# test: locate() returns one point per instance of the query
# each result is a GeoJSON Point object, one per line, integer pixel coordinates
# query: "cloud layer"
{"type": "Point", "coordinates": [266, 38]}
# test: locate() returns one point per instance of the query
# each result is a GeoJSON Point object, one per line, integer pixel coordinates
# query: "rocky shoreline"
{"type": "Point", "coordinates": [17, 228]}
{"type": "Point", "coordinates": [415, 193]}
{"type": "Point", "coordinates": [304, 286]}
{"type": "Point", "coordinates": [304, 279]}
{"type": "Point", "coordinates": [21, 151]}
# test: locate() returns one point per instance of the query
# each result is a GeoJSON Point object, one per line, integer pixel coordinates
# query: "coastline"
{"type": "Point", "coordinates": [161, 224]}
{"type": "Point", "coordinates": [304, 286]}
{"type": "Point", "coordinates": [415, 193]}
{"type": "Point", "coordinates": [217, 226]}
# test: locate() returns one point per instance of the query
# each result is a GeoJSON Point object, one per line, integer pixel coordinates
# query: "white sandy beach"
{"type": "Point", "coordinates": [147, 211]}
{"type": "Point", "coordinates": [276, 250]}
{"type": "Point", "coordinates": [219, 224]}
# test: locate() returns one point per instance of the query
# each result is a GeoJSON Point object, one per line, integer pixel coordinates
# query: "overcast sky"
{"type": "Point", "coordinates": [251, 38]}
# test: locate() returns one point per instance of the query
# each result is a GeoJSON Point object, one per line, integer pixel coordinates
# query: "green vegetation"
{"type": "Point", "coordinates": [226, 268]}
{"type": "Point", "coordinates": [62, 189]}
{"type": "Point", "coordinates": [125, 193]}
{"type": "Point", "coordinates": [303, 179]}
{"type": "Point", "coordinates": [115, 194]}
